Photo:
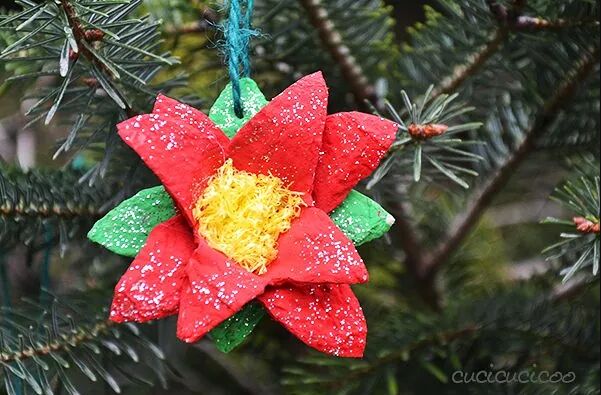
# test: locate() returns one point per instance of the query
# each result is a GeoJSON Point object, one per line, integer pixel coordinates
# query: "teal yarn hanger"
{"type": "Point", "coordinates": [238, 32]}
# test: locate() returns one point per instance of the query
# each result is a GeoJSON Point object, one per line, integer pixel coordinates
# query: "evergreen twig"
{"type": "Point", "coordinates": [473, 64]}
{"type": "Point", "coordinates": [332, 41]}
{"type": "Point", "coordinates": [79, 33]}
{"type": "Point", "coordinates": [465, 222]}
{"type": "Point", "coordinates": [73, 340]}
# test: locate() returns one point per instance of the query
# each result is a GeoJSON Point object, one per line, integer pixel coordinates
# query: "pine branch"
{"type": "Point", "coordinates": [474, 63]}
{"type": "Point", "coordinates": [46, 342]}
{"type": "Point", "coordinates": [79, 33]}
{"type": "Point", "coordinates": [39, 202]}
{"type": "Point", "coordinates": [571, 290]}
{"type": "Point", "coordinates": [60, 345]}
{"type": "Point", "coordinates": [510, 21]}
{"type": "Point", "coordinates": [415, 260]}
{"type": "Point", "coordinates": [580, 243]}
{"type": "Point", "coordinates": [433, 146]}
{"type": "Point", "coordinates": [44, 195]}
{"type": "Point", "coordinates": [530, 23]}
{"type": "Point", "coordinates": [477, 60]}
{"type": "Point", "coordinates": [332, 41]}
{"type": "Point", "coordinates": [104, 63]}
{"type": "Point", "coordinates": [404, 233]}
{"type": "Point", "coordinates": [465, 222]}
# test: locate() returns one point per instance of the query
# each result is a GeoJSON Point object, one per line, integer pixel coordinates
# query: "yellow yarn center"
{"type": "Point", "coordinates": [242, 215]}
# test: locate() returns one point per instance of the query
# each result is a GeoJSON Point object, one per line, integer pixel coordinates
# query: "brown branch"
{"type": "Point", "coordinates": [405, 234]}
{"type": "Point", "coordinates": [475, 61]}
{"type": "Point", "coordinates": [534, 24]}
{"type": "Point", "coordinates": [515, 21]}
{"type": "Point", "coordinates": [462, 72]}
{"type": "Point", "coordinates": [79, 33]}
{"type": "Point", "coordinates": [45, 211]}
{"type": "Point", "coordinates": [207, 20]}
{"type": "Point", "coordinates": [415, 261]}
{"type": "Point", "coordinates": [465, 222]}
{"type": "Point", "coordinates": [351, 69]}
{"type": "Point", "coordinates": [61, 344]}
{"type": "Point", "coordinates": [572, 289]}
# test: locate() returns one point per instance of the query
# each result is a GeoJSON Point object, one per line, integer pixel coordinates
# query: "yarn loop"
{"type": "Point", "coordinates": [238, 32]}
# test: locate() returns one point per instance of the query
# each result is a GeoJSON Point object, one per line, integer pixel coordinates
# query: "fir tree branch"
{"type": "Point", "coordinates": [45, 195]}
{"type": "Point", "coordinates": [49, 341]}
{"type": "Point", "coordinates": [480, 57]}
{"type": "Point", "coordinates": [415, 260]}
{"type": "Point", "coordinates": [509, 21]}
{"type": "Point", "coordinates": [465, 222]}
{"type": "Point", "coordinates": [71, 341]}
{"type": "Point", "coordinates": [83, 44]}
{"type": "Point", "coordinates": [79, 33]}
{"type": "Point", "coordinates": [534, 24]}
{"type": "Point", "coordinates": [332, 40]}
{"type": "Point", "coordinates": [571, 290]}
{"type": "Point", "coordinates": [9, 210]}
{"type": "Point", "coordinates": [405, 234]}
{"type": "Point", "coordinates": [518, 22]}
{"type": "Point", "coordinates": [462, 72]}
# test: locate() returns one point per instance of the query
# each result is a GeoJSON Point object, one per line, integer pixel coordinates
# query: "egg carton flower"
{"type": "Point", "coordinates": [267, 217]}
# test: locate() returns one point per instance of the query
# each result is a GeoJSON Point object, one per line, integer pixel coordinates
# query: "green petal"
{"type": "Point", "coordinates": [361, 219]}
{"type": "Point", "coordinates": [232, 332]}
{"type": "Point", "coordinates": [222, 112]}
{"type": "Point", "coordinates": [124, 229]}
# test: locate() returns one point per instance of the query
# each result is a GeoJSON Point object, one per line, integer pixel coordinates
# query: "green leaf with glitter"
{"type": "Point", "coordinates": [222, 112]}
{"type": "Point", "coordinates": [232, 332]}
{"type": "Point", "coordinates": [361, 219]}
{"type": "Point", "coordinates": [124, 229]}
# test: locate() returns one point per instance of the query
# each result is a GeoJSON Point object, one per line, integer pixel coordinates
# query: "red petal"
{"type": "Point", "coordinates": [183, 113]}
{"type": "Point", "coordinates": [314, 250]}
{"type": "Point", "coordinates": [285, 137]}
{"type": "Point", "coordinates": [218, 288]}
{"type": "Point", "coordinates": [353, 145]}
{"type": "Point", "coordinates": [181, 156]}
{"type": "Point", "coordinates": [326, 317]}
{"type": "Point", "coordinates": [150, 289]}
{"type": "Point", "coordinates": [123, 309]}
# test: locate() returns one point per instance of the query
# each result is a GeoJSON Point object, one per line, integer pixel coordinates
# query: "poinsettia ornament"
{"type": "Point", "coordinates": [256, 216]}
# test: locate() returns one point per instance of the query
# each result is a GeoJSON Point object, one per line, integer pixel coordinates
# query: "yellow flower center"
{"type": "Point", "coordinates": [242, 215]}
